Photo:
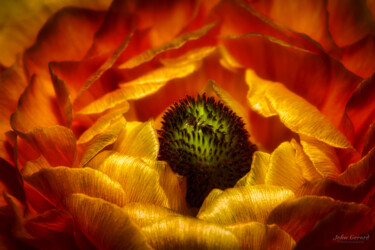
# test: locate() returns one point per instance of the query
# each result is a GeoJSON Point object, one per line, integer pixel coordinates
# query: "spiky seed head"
{"type": "Point", "coordinates": [206, 142]}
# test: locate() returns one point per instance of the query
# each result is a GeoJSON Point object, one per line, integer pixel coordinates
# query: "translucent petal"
{"type": "Point", "coordinates": [269, 99]}
{"type": "Point", "coordinates": [244, 204]}
{"type": "Point", "coordinates": [258, 170]}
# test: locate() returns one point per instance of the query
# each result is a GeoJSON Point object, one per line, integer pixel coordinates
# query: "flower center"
{"type": "Point", "coordinates": [207, 143]}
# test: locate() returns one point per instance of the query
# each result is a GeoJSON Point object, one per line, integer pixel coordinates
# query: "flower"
{"type": "Point", "coordinates": [82, 103]}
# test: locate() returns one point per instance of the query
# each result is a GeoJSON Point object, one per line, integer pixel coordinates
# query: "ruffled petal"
{"type": "Point", "coordinates": [72, 180]}
{"type": "Point", "coordinates": [139, 181]}
{"type": "Point", "coordinates": [256, 235]}
{"type": "Point", "coordinates": [106, 225]}
{"type": "Point", "coordinates": [244, 204]}
{"type": "Point", "coordinates": [269, 99]}
{"type": "Point", "coordinates": [258, 170]}
{"type": "Point", "coordinates": [369, 141]}
{"type": "Point", "coordinates": [138, 140]}
{"type": "Point", "coordinates": [322, 155]}
{"type": "Point", "coordinates": [298, 217]}
{"type": "Point", "coordinates": [188, 233]}
{"type": "Point", "coordinates": [22, 20]}
{"type": "Point", "coordinates": [57, 144]}
{"type": "Point", "coordinates": [349, 21]}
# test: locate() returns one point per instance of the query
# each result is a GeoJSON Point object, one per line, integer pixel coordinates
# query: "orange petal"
{"type": "Point", "coordinates": [57, 144]}
{"type": "Point", "coordinates": [359, 171]}
{"type": "Point", "coordinates": [36, 107]}
{"type": "Point", "coordinates": [350, 193]}
{"type": "Point", "coordinates": [360, 109]}
{"type": "Point", "coordinates": [244, 204]}
{"type": "Point", "coordinates": [349, 21]}
{"type": "Point", "coordinates": [369, 141]}
{"type": "Point", "coordinates": [269, 99]}
{"type": "Point", "coordinates": [357, 57]}
{"type": "Point", "coordinates": [22, 21]}
{"type": "Point", "coordinates": [307, 17]}
{"type": "Point", "coordinates": [331, 231]}
{"type": "Point", "coordinates": [298, 217]}
{"type": "Point", "coordinates": [188, 233]}
{"type": "Point", "coordinates": [74, 25]}
{"type": "Point", "coordinates": [256, 235]}
{"type": "Point", "coordinates": [138, 140]}
{"type": "Point", "coordinates": [106, 225]}
{"type": "Point", "coordinates": [55, 183]}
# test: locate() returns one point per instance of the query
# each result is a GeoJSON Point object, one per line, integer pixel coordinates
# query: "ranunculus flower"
{"type": "Point", "coordinates": [84, 86]}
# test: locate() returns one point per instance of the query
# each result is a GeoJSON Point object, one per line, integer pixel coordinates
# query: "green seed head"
{"type": "Point", "coordinates": [207, 143]}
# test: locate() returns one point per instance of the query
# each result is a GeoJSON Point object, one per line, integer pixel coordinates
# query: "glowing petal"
{"type": "Point", "coordinates": [148, 55]}
{"type": "Point", "coordinates": [270, 98]}
{"type": "Point", "coordinates": [146, 214]}
{"type": "Point", "coordinates": [73, 180]}
{"type": "Point", "coordinates": [256, 235]}
{"type": "Point", "coordinates": [188, 233]}
{"type": "Point", "coordinates": [259, 168]}
{"type": "Point", "coordinates": [138, 140]}
{"type": "Point", "coordinates": [297, 217]}
{"type": "Point", "coordinates": [244, 204]}
{"type": "Point", "coordinates": [143, 86]}
{"type": "Point", "coordinates": [322, 155]}
{"type": "Point", "coordinates": [106, 225]}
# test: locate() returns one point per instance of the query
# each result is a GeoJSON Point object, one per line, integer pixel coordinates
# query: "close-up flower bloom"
{"type": "Point", "coordinates": [187, 124]}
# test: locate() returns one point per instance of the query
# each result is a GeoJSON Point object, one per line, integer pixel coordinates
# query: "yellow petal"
{"type": "Point", "coordinates": [138, 140]}
{"type": "Point", "coordinates": [139, 181]}
{"type": "Point", "coordinates": [270, 98]}
{"type": "Point", "coordinates": [145, 214]}
{"type": "Point", "coordinates": [255, 235]}
{"type": "Point", "coordinates": [55, 183]}
{"type": "Point", "coordinates": [193, 55]}
{"type": "Point", "coordinates": [34, 166]}
{"type": "Point", "coordinates": [188, 233]}
{"type": "Point", "coordinates": [138, 88]}
{"type": "Point", "coordinates": [359, 171]}
{"type": "Point", "coordinates": [257, 173]}
{"type": "Point", "coordinates": [322, 155]}
{"type": "Point", "coordinates": [244, 204]}
{"type": "Point", "coordinates": [106, 225]}
{"type": "Point", "coordinates": [101, 140]}
{"type": "Point", "coordinates": [211, 197]}
{"type": "Point", "coordinates": [177, 42]}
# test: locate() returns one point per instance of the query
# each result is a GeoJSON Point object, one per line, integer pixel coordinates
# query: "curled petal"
{"type": "Point", "coordinates": [358, 171]}
{"type": "Point", "coordinates": [57, 144]}
{"type": "Point", "coordinates": [244, 204]}
{"type": "Point", "coordinates": [297, 217]}
{"type": "Point", "coordinates": [188, 233]}
{"type": "Point", "coordinates": [322, 155]}
{"type": "Point", "coordinates": [138, 140]}
{"type": "Point", "coordinates": [106, 225]}
{"type": "Point", "coordinates": [72, 180]}
{"type": "Point", "coordinates": [255, 235]}
{"type": "Point", "coordinates": [258, 170]}
{"type": "Point", "coordinates": [269, 99]}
